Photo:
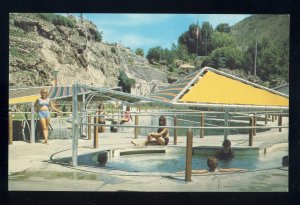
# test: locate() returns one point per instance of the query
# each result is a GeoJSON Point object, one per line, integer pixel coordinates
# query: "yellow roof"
{"type": "Point", "coordinates": [25, 99]}
{"type": "Point", "coordinates": [216, 88]}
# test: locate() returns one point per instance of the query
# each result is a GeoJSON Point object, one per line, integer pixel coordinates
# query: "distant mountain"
{"type": "Point", "coordinates": [275, 26]}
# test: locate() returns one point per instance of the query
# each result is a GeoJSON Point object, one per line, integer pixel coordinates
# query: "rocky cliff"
{"type": "Point", "coordinates": [38, 48]}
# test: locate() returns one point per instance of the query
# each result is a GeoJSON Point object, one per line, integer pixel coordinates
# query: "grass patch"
{"type": "Point", "coordinates": [17, 33]}
{"type": "Point", "coordinates": [58, 19]}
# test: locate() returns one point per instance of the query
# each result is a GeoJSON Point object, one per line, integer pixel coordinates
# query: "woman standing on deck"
{"type": "Point", "coordinates": [42, 105]}
{"type": "Point", "coordinates": [101, 119]}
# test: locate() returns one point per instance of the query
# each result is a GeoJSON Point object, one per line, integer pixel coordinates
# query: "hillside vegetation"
{"type": "Point", "coordinates": [274, 27]}
{"type": "Point", "coordinates": [232, 48]}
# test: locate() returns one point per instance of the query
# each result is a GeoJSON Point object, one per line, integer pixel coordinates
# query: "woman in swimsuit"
{"type": "Point", "coordinates": [101, 119]}
{"type": "Point", "coordinates": [126, 116]}
{"type": "Point", "coordinates": [225, 153]}
{"type": "Point", "coordinates": [160, 137]}
{"type": "Point", "coordinates": [42, 105]}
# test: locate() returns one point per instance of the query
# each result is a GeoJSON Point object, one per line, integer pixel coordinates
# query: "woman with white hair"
{"type": "Point", "coordinates": [42, 105]}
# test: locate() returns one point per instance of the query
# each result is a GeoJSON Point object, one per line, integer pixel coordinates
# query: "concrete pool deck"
{"type": "Point", "coordinates": [34, 167]}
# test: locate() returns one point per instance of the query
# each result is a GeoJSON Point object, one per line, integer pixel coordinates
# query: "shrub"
{"type": "Point", "coordinates": [98, 36]}
{"type": "Point", "coordinates": [113, 50]}
{"type": "Point", "coordinates": [57, 19]}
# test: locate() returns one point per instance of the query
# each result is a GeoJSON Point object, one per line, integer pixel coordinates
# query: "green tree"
{"type": "Point", "coordinates": [229, 57]}
{"type": "Point", "coordinates": [139, 52]}
{"type": "Point", "coordinates": [98, 36]}
{"type": "Point", "coordinates": [206, 37]}
{"type": "Point", "coordinates": [220, 40]}
{"type": "Point", "coordinates": [154, 54]}
{"type": "Point", "coordinates": [223, 28]}
{"type": "Point", "coordinates": [189, 38]}
{"type": "Point", "coordinates": [167, 56]}
{"type": "Point", "coordinates": [272, 61]}
{"type": "Point", "coordinates": [181, 52]}
{"type": "Point", "coordinates": [125, 82]}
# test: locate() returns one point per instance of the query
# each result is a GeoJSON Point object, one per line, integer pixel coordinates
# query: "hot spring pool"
{"type": "Point", "coordinates": [174, 162]}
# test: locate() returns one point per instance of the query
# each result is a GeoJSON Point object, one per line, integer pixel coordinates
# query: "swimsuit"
{"type": "Point", "coordinates": [101, 119]}
{"type": "Point", "coordinates": [127, 116]}
{"type": "Point", "coordinates": [223, 156]}
{"type": "Point", "coordinates": [44, 113]}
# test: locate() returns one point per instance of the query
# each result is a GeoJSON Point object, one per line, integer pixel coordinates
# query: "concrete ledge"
{"type": "Point", "coordinates": [137, 150]}
{"type": "Point", "coordinates": [238, 151]}
{"type": "Point", "coordinates": [275, 146]}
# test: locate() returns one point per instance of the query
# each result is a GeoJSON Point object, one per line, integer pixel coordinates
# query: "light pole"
{"type": "Point", "coordinates": [55, 73]}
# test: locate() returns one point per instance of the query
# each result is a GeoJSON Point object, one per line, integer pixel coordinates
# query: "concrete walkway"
{"type": "Point", "coordinates": [34, 167]}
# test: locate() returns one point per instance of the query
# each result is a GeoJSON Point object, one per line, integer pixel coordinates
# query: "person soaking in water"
{"type": "Point", "coordinates": [160, 137]}
{"type": "Point", "coordinates": [42, 105]}
{"type": "Point", "coordinates": [212, 163]}
{"type": "Point", "coordinates": [225, 153]}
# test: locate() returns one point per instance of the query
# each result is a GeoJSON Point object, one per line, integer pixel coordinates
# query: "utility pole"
{"type": "Point", "coordinates": [255, 56]}
{"type": "Point", "coordinates": [197, 34]}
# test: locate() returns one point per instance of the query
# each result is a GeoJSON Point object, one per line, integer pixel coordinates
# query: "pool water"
{"type": "Point", "coordinates": [171, 163]}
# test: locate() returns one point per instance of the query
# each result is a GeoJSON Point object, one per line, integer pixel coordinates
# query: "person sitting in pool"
{"type": "Point", "coordinates": [102, 158]}
{"type": "Point", "coordinates": [285, 161]}
{"type": "Point", "coordinates": [212, 163]}
{"type": "Point", "coordinates": [225, 152]}
{"type": "Point", "coordinates": [160, 137]}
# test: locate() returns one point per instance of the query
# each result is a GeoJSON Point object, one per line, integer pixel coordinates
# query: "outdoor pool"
{"type": "Point", "coordinates": [174, 162]}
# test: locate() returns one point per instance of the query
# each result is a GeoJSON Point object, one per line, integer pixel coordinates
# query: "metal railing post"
{"type": "Point", "coordinates": [280, 122]}
{"type": "Point", "coordinates": [266, 119]}
{"type": "Point", "coordinates": [74, 124]}
{"type": "Point", "coordinates": [251, 131]}
{"type": "Point", "coordinates": [96, 132]}
{"type": "Point", "coordinates": [175, 130]}
{"type": "Point", "coordinates": [89, 127]}
{"type": "Point", "coordinates": [32, 129]}
{"type": "Point", "coordinates": [136, 122]}
{"type": "Point", "coordinates": [10, 139]}
{"type": "Point", "coordinates": [254, 124]}
{"type": "Point", "coordinates": [189, 153]}
{"type": "Point", "coordinates": [202, 125]}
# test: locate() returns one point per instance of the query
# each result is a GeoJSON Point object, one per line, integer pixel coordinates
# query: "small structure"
{"type": "Point", "coordinates": [283, 88]}
{"type": "Point", "coordinates": [209, 87]}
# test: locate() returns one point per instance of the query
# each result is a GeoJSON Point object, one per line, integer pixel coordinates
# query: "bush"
{"type": "Point", "coordinates": [125, 82]}
{"type": "Point", "coordinates": [139, 52]}
{"type": "Point", "coordinates": [57, 19]}
{"type": "Point", "coordinates": [98, 36]}
{"type": "Point", "coordinates": [113, 50]}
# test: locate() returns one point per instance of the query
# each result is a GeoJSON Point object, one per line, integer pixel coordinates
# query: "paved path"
{"type": "Point", "coordinates": [32, 167]}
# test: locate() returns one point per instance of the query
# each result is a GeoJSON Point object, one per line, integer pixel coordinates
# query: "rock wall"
{"type": "Point", "coordinates": [38, 48]}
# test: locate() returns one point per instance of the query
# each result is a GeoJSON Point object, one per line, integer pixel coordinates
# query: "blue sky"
{"type": "Point", "coordinates": [150, 30]}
